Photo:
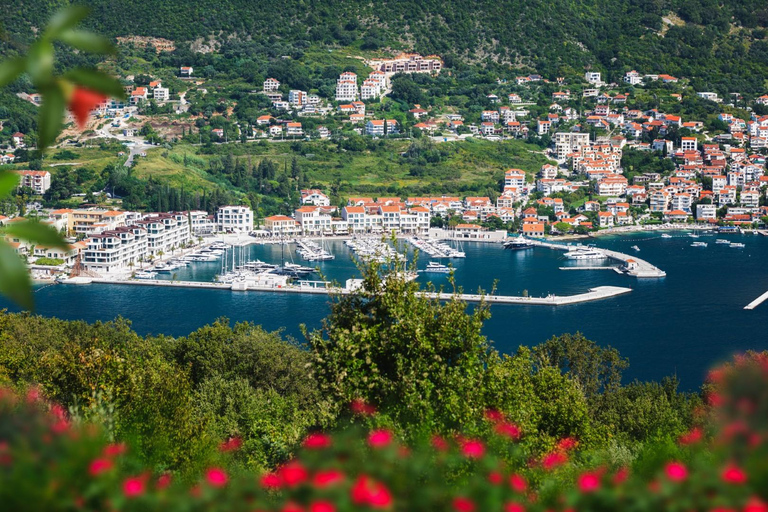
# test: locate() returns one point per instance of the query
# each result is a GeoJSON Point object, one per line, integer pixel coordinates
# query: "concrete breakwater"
{"type": "Point", "coordinates": [633, 266]}
{"type": "Point", "coordinates": [597, 293]}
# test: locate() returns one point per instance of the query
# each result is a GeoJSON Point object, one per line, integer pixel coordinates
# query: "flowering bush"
{"type": "Point", "coordinates": [46, 462]}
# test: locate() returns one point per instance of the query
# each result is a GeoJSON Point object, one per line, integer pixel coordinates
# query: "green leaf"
{"type": "Point", "coordinates": [97, 81]}
{"type": "Point", "coordinates": [50, 117]}
{"type": "Point", "coordinates": [8, 182]}
{"type": "Point", "coordinates": [14, 278]}
{"type": "Point", "coordinates": [65, 19]}
{"type": "Point", "coordinates": [40, 62]}
{"type": "Point", "coordinates": [86, 41]}
{"type": "Point", "coordinates": [38, 233]}
{"type": "Point", "coordinates": [10, 70]}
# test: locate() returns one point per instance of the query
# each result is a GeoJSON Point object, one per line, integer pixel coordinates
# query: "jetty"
{"type": "Point", "coordinates": [322, 288]}
{"type": "Point", "coordinates": [632, 265]}
{"type": "Point", "coordinates": [757, 301]}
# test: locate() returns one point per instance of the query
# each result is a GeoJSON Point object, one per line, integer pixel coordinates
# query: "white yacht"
{"type": "Point", "coordinates": [721, 241]}
{"type": "Point", "coordinates": [666, 235]}
{"type": "Point", "coordinates": [145, 274]}
{"type": "Point", "coordinates": [439, 268]}
{"type": "Point", "coordinates": [738, 244]}
{"type": "Point", "coordinates": [585, 254]}
{"type": "Point", "coordinates": [699, 244]}
{"type": "Point", "coordinates": [636, 248]}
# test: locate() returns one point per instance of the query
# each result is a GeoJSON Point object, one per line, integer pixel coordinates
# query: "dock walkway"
{"type": "Point", "coordinates": [633, 266]}
{"type": "Point", "coordinates": [757, 301]}
{"type": "Point", "coordinates": [598, 293]}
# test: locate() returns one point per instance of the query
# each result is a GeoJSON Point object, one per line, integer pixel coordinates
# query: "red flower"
{"type": "Point", "coordinates": [692, 437]}
{"type": "Point", "coordinates": [509, 430]}
{"type": "Point", "coordinates": [514, 507]}
{"type": "Point", "coordinates": [379, 438]}
{"type": "Point", "coordinates": [366, 491]}
{"type": "Point", "coordinates": [463, 505]}
{"type": "Point", "coordinates": [621, 476]}
{"type": "Point", "coordinates": [322, 506]}
{"type": "Point", "coordinates": [472, 448]}
{"type": "Point", "coordinates": [216, 477]}
{"type": "Point", "coordinates": [676, 471]}
{"type": "Point", "coordinates": [495, 477]}
{"type": "Point", "coordinates": [317, 441]}
{"type": "Point", "coordinates": [493, 415]}
{"type": "Point", "coordinates": [359, 406]}
{"type": "Point", "coordinates": [755, 504]}
{"type": "Point", "coordinates": [133, 487]}
{"type": "Point", "coordinates": [554, 459]}
{"type": "Point", "coordinates": [231, 444]}
{"type": "Point", "coordinates": [61, 423]}
{"type": "Point", "coordinates": [714, 399]}
{"type": "Point", "coordinates": [733, 474]}
{"type": "Point", "coordinates": [327, 478]}
{"type": "Point", "coordinates": [115, 449]}
{"type": "Point", "coordinates": [292, 507]}
{"type": "Point", "coordinates": [293, 473]}
{"type": "Point", "coordinates": [439, 444]}
{"type": "Point", "coordinates": [99, 466]}
{"type": "Point", "coordinates": [518, 483]}
{"type": "Point", "coordinates": [271, 481]}
{"type": "Point", "coordinates": [163, 481]}
{"type": "Point", "coordinates": [588, 482]}
{"type": "Point", "coordinates": [82, 102]}
{"type": "Point", "coordinates": [567, 443]}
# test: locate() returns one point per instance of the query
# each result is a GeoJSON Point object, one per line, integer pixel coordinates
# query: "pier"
{"type": "Point", "coordinates": [757, 301]}
{"type": "Point", "coordinates": [590, 268]}
{"type": "Point", "coordinates": [633, 266]}
{"type": "Point", "coordinates": [598, 293]}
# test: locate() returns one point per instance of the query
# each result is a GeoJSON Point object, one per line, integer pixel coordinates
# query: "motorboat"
{"type": "Point", "coordinates": [518, 243]}
{"type": "Point", "coordinates": [585, 254]}
{"type": "Point", "coordinates": [699, 244]}
{"type": "Point", "coordinates": [636, 248]}
{"type": "Point", "coordinates": [666, 235]}
{"type": "Point", "coordinates": [145, 275]}
{"type": "Point", "coordinates": [721, 241]}
{"type": "Point", "coordinates": [738, 244]}
{"type": "Point", "coordinates": [437, 268]}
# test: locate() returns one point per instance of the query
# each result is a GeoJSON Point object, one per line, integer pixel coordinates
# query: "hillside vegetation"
{"type": "Point", "coordinates": [719, 43]}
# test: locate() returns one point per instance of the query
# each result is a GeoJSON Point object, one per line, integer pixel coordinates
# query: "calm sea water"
{"type": "Point", "coordinates": [682, 324]}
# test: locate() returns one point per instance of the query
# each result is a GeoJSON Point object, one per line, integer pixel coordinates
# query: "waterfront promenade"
{"type": "Point", "coordinates": [597, 293]}
{"type": "Point", "coordinates": [633, 266]}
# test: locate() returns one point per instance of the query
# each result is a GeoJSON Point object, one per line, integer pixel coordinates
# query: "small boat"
{"type": "Point", "coordinates": [145, 275]}
{"type": "Point", "coordinates": [665, 235]}
{"type": "Point", "coordinates": [636, 248]}
{"type": "Point", "coordinates": [585, 254]}
{"type": "Point", "coordinates": [517, 244]}
{"type": "Point", "coordinates": [738, 244]}
{"type": "Point", "coordinates": [721, 241]}
{"type": "Point", "coordinates": [699, 244]}
{"type": "Point", "coordinates": [693, 235]}
{"type": "Point", "coordinates": [435, 267]}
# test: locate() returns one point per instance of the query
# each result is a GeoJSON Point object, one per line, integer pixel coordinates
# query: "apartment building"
{"type": "Point", "coordinates": [234, 219]}
{"type": "Point", "coordinates": [115, 250]}
{"type": "Point", "coordinates": [165, 232]}
{"type": "Point", "coordinates": [346, 87]}
{"type": "Point", "coordinates": [38, 181]}
{"type": "Point", "coordinates": [570, 142]}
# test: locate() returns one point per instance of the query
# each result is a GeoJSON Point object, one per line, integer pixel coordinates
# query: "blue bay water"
{"type": "Point", "coordinates": [682, 324]}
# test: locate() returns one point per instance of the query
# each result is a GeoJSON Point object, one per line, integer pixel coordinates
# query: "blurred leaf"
{"type": "Point", "coordinates": [51, 116]}
{"type": "Point", "coordinates": [96, 80]}
{"type": "Point", "coordinates": [8, 181]}
{"type": "Point", "coordinates": [86, 41]}
{"type": "Point", "coordinates": [10, 69]}
{"type": "Point", "coordinates": [40, 62]}
{"type": "Point", "coordinates": [15, 282]}
{"type": "Point", "coordinates": [38, 233]}
{"type": "Point", "coordinates": [65, 19]}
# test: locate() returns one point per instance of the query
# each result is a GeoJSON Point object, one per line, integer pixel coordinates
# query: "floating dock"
{"type": "Point", "coordinates": [598, 293]}
{"type": "Point", "coordinates": [633, 266]}
{"type": "Point", "coordinates": [757, 301]}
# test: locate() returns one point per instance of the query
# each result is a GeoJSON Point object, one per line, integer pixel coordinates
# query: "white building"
{"type": "Point", "coordinates": [297, 98]}
{"type": "Point", "coordinates": [313, 220]}
{"type": "Point", "coordinates": [165, 232]}
{"type": "Point", "coordinates": [270, 84]}
{"type": "Point", "coordinates": [185, 71]}
{"type": "Point", "coordinates": [706, 212]}
{"type": "Point", "coordinates": [346, 87]}
{"type": "Point", "coordinates": [633, 78]}
{"type": "Point", "coordinates": [314, 197]}
{"type": "Point", "coordinates": [115, 251]}
{"type": "Point", "coordinates": [161, 94]}
{"type": "Point", "coordinates": [38, 181]}
{"type": "Point", "coordinates": [570, 142]}
{"type": "Point", "coordinates": [236, 219]}
{"type": "Point", "coordinates": [593, 77]}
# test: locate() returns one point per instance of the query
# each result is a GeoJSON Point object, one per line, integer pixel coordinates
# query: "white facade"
{"type": "Point", "coordinates": [161, 94]}
{"type": "Point", "coordinates": [270, 84]}
{"type": "Point", "coordinates": [237, 219]}
{"type": "Point", "coordinates": [116, 251]}
{"type": "Point", "coordinates": [38, 181]}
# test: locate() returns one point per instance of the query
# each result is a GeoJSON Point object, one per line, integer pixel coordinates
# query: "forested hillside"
{"type": "Point", "coordinates": [716, 43]}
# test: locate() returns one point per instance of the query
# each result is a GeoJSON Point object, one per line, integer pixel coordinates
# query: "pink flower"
{"type": "Point", "coordinates": [361, 407]}
{"type": "Point", "coordinates": [439, 444]}
{"type": "Point", "coordinates": [733, 474]}
{"type": "Point", "coordinates": [291, 507]}
{"type": "Point", "coordinates": [588, 482]}
{"type": "Point", "coordinates": [379, 438]}
{"type": "Point", "coordinates": [553, 460]}
{"type": "Point", "coordinates": [293, 473]}
{"type": "Point", "coordinates": [493, 415]}
{"type": "Point", "coordinates": [676, 471]}
{"type": "Point", "coordinates": [472, 448]}
{"type": "Point", "coordinates": [509, 430]}
{"type": "Point", "coordinates": [216, 477]}
{"type": "Point", "coordinates": [518, 483]}
{"type": "Point", "coordinates": [692, 437]}
{"type": "Point", "coordinates": [514, 507]}
{"type": "Point", "coordinates": [271, 481]}
{"type": "Point", "coordinates": [231, 444]}
{"type": "Point", "coordinates": [461, 504]}
{"type": "Point", "coordinates": [115, 449]}
{"type": "Point", "coordinates": [163, 481]}
{"type": "Point", "coordinates": [567, 443]}
{"type": "Point", "coordinates": [755, 504]}
{"type": "Point", "coordinates": [327, 478]}
{"type": "Point", "coordinates": [621, 476]}
{"type": "Point", "coordinates": [322, 506]}
{"type": "Point", "coordinates": [317, 441]}
{"type": "Point", "coordinates": [99, 466]}
{"type": "Point", "coordinates": [133, 487]}
{"type": "Point", "coordinates": [366, 491]}
{"type": "Point", "coordinates": [495, 478]}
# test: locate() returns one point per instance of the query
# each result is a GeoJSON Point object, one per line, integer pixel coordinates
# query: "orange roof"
{"type": "Point", "coordinates": [354, 209]}
{"type": "Point", "coordinates": [278, 217]}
